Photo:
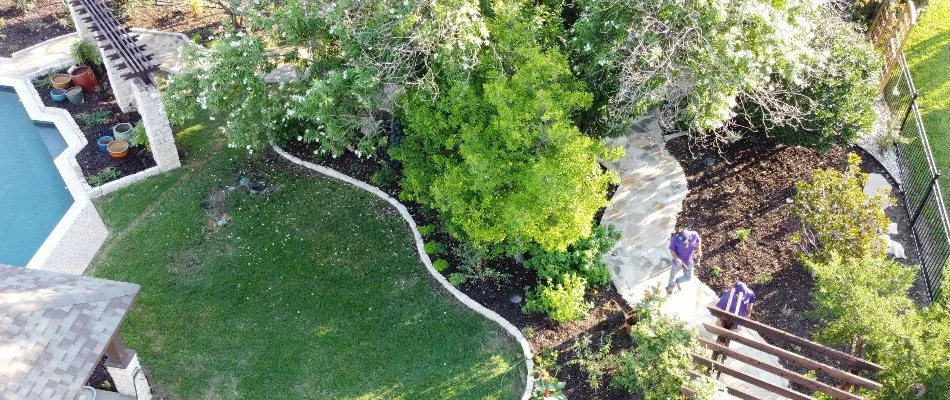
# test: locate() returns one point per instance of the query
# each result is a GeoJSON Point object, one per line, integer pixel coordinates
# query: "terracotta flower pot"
{"type": "Point", "coordinates": [118, 149]}
{"type": "Point", "coordinates": [75, 95]}
{"type": "Point", "coordinates": [83, 76]}
{"type": "Point", "coordinates": [61, 81]}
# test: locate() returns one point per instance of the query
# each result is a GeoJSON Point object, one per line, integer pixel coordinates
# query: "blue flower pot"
{"type": "Point", "coordinates": [58, 94]}
{"type": "Point", "coordinates": [103, 143]}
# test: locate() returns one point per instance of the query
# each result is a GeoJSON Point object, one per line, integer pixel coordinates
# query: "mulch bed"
{"type": "Point", "coordinates": [747, 185]}
{"type": "Point", "coordinates": [48, 19]}
{"type": "Point", "coordinates": [100, 378]}
{"type": "Point", "coordinates": [90, 158]}
{"type": "Point", "coordinates": [605, 318]}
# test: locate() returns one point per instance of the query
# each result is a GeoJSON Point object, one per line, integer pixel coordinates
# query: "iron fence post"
{"type": "Point", "coordinates": [923, 200]}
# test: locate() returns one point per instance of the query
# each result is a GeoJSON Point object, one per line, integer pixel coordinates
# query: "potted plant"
{"type": "Point", "coordinates": [118, 149]}
{"type": "Point", "coordinates": [104, 141]}
{"type": "Point", "coordinates": [122, 131]}
{"type": "Point", "coordinates": [61, 81]}
{"type": "Point", "coordinates": [83, 77]}
{"type": "Point", "coordinates": [75, 95]}
{"type": "Point", "coordinates": [58, 94]}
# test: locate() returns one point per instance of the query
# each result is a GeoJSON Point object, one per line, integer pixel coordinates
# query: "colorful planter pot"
{"type": "Point", "coordinates": [75, 95]}
{"type": "Point", "coordinates": [122, 131]}
{"type": "Point", "coordinates": [104, 141]}
{"type": "Point", "coordinates": [58, 94]}
{"type": "Point", "coordinates": [83, 77]}
{"type": "Point", "coordinates": [118, 149]}
{"type": "Point", "coordinates": [61, 81]}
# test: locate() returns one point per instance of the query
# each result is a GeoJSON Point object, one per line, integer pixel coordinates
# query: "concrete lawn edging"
{"type": "Point", "coordinates": [417, 237]}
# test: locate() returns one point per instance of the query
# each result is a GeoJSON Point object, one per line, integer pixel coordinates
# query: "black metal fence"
{"type": "Point", "coordinates": [919, 179]}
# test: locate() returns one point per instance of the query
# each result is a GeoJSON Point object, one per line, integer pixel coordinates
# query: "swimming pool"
{"type": "Point", "coordinates": [33, 195]}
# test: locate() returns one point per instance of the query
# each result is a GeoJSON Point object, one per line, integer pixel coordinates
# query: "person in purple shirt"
{"type": "Point", "coordinates": [738, 300]}
{"type": "Point", "coordinates": [686, 248]}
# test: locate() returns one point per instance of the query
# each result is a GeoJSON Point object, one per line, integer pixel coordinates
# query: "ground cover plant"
{"type": "Point", "coordinates": [314, 288]}
{"type": "Point", "coordinates": [928, 57]}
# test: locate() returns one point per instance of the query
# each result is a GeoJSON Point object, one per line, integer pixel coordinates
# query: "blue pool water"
{"type": "Point", "coordinates": [33, 195]}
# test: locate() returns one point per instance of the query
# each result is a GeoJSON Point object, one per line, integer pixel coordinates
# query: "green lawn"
{"type": "Point", "coordinates": [928, 56]}
{"type": "Point", "coordinates": [312, 291]}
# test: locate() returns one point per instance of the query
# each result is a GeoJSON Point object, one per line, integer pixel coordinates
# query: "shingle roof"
{"type": "Point", "coordinates": [54, 328]}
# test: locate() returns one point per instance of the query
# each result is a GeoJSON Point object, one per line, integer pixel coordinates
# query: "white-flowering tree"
{"type": "Point", "coordinates": [711, 66]}
{"type": "Point", "coordinates": [344, 54]}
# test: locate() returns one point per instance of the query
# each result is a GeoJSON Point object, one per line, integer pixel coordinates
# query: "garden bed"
{"type": "Point", "coordinates": [96, 116]}
{"type": "Point", "coordinates": [604, 318]}
{"type": "Point", "coordinates": [21, 29]}
{"type": "Point", "coordinates": [748, 185]}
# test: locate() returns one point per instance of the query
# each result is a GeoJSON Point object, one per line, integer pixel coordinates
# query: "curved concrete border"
{"type": "Point", "coordinates": [462, 297]}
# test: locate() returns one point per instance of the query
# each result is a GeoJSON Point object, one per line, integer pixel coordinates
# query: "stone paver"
{"type": "Point", "coordinates": [644, 209]}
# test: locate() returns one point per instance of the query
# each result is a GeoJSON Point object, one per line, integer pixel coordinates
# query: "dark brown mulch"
{"type": "Point", "coordinates": [100, 378]}
{"type": "Point", "coordinates": [90, 158]}
{"type": "Point", "coordinates": [179, 16]}
{"type": "Point", "coordinates": [605, 318]}
{"type": "Point", "coordinates": [746, 187]}
{"type": "Point", "coordinates": [48, 19]}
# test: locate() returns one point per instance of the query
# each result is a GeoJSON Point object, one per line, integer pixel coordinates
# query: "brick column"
{"type": "Point", "coordinates": [148, 101]}
{"type": "Point", "coordinates": [130, 380]}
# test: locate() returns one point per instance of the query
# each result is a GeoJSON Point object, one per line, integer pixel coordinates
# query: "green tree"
{"type": "Point", "coordinates": [503, 162]}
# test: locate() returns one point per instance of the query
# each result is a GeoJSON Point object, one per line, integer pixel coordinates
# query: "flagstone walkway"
{"type": "Point", "coordinates": [644, 209]}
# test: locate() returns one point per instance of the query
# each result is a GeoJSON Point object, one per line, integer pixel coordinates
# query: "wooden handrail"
{"type": "Point", "coordinates": [779, 390]}
{"type": "Point", "coordinates": [779, 371]}
{"type": "Point", "coordinates": [776, 334]}
{"type": "Point", "coordinates": [797, 359]}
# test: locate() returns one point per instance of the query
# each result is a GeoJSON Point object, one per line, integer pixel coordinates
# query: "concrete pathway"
{"type": "Point", "coordinates": [644, 209]}
{"type": "Point", "coordinates": [165, 46]}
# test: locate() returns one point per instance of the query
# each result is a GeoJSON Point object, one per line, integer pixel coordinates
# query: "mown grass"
{"type": "Point", "coordinates": [311, 291]}
{"type": "Point", "coordinates": [928, 57]}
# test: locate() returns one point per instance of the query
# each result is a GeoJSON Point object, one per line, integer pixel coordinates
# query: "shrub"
{"type": "Point", "coordinates": [658, 367]}
{"type": "Point", "coordinates": [548, 389]}
{"type": "Point", "coordinates": [563, 302]}
{"type": "Point", "coordinates": [140, 137]}
{"type": "Point", "coordinates": [85, 53]}
{"type": "Point", "coordinates": [384, 177]}
{"type": "Point", "coordinates": [864, 300]}
{"type": "Point", "coordinates": [95, 118]}
{"type": "Point", "coordinates": [595, 362]}
{"type": "Point", "coordinates": [583, 258]}
{"type": "Point", "coordinates": [433, 248]}
{"type": "Point", "coordinates": [440, 265]}
{"type": "Point", "coordinates": [837, 216]}
{"type": "Point", "coordinates": [426, 230]}
{"type": "Point", "coordinates": [457, 279]}
{"type": "Point", "coordinates": [107, 174]}
{"type": "Point", "coordinates": [743, 234]}
{"type": "Point", "coordinates": [472, 266]}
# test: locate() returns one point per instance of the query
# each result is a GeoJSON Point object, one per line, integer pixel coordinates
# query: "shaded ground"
{"type": "Point", "coordinates": [50, 18]}
{"type": "Point", "coordinates": [312, 287]}
{"type": "Point", "coordinates": [748, 187]}
{"type": "Point", "coordinates": [21, 29]}
{"type": "Point", "coordinates": [96, 116]}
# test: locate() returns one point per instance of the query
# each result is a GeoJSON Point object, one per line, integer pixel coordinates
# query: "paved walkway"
{"type": "Point", "coordinates": [165, 46]}
{"type": "Point", "coordinates": [644, 209]}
